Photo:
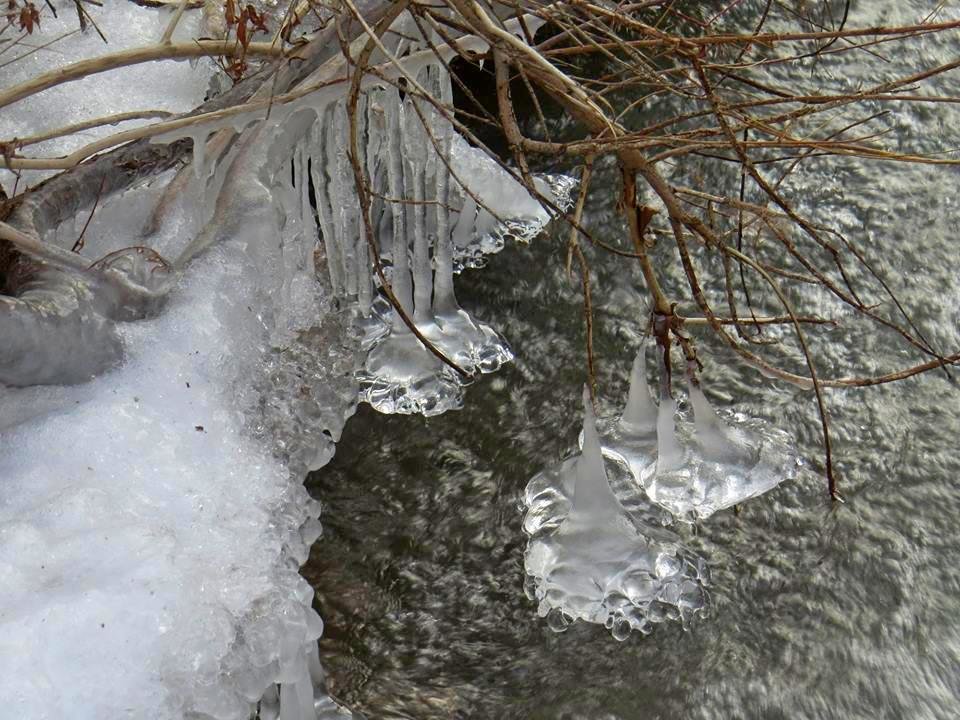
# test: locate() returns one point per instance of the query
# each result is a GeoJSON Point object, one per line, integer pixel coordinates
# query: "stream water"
{"type": "Point", "coordinates": [815, 609]}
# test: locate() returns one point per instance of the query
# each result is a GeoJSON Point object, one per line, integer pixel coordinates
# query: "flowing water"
{"type": "Point", "coordinates": [815, 609]}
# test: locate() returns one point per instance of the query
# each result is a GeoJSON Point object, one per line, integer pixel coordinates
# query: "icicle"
{"type": "Point", "coordinates": [296, 696]}
{"type": "Point", "coordinates": [631, 439]}
{"type": "Point", "coordinates": [309, 227]}
{"type": "Point", "coordinates": [415, 157]}
{"type": "Point", "coordinates": [592, 492]}
{"type": "Point", "coordinates": [364, 280]}
{"type": "Point", "coordinates": [320, 172]}
{"type": "Point", "coordinates": [317, 676]}
{"type": "Point", "coordinates": [463, 230]}
{"type": "Point", "coordinates": [718, 441]}
{"type": "Point", "coordinates": [639, 414]}
{"type": "Point", "coordinates": [346, 195]}
{"type": "Point", "coordinates": [713, 435]}
{"type": "Point", "coordinates": [338, 190]}
{"type": "Point", "coordinates": [377, 161]}
{"type": "Point", "coordinates": [718, 464]}
{"type": "Point", "coordinates": [270, 704]}
{"type": "Point", "coordinates": [376, 156]}
{"type": "Point", "coordinates": [669, 452]}
{"type": "Point", "coordinates": [486, 224]}
{"type": "Point", "coordinates": [362, 256]}
{"type": "Point", "coordinates": [444, 298]}
{"type": "Point", "coordinates": [400, 278]}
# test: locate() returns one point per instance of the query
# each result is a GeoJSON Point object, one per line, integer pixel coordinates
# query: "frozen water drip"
{"type": "Point", "coordinates": [588, 559]}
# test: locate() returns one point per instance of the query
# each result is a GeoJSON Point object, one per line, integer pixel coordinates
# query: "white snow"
{"type": "Point", "coordinates": [139, 528]}
{"type": "Point", "coordinates": [164, 85]}
{"type": "Point", "coordinates": [149, 541]}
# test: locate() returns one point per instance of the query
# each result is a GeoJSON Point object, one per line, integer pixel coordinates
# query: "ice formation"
{"type": "Point", "coordinates": [422, 159]}
{"type": "Point", "coordinates": [598, 549]}
{"type": "Point", "coordinates": [713, 462]}
{"type": "Point", "coordinates": [588, 559]}
{"type": "Point", "coordinates": [153, 519]}
{"type": "Point", "coordinates": [631, 438]}
{"type": "Point", "coordinates": [693, 468]}
{"type": "Point", "coordinates": [423, 180]}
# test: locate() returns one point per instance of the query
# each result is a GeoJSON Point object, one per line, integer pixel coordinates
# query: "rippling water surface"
{"type": "Point", "coordinates": [816, 610]}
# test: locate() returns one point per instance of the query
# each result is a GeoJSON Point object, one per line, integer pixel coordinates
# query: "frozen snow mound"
{"type": "Point", "coordinates": [149, 545]}
{"type": "Point", "coordinates": [164, 87]}
{"type": "Point", "coordinates": [589, 559]}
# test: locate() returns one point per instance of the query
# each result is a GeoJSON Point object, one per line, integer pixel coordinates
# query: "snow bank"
{"type": "Point", "coordinates": [150, 528]}
{"type": "Point", "coordinates": [149, 546]}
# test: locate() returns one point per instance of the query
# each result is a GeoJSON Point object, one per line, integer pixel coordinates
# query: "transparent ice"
{"type": "Point", "coordinates": [693, 468]}
{"type": "Point", "coordinates": [713, 462]}
{"type": "Point", "coordinates": [589, 559]}
{"type": "Point", "coordinates": [152, 520]}
{"type": "Point", "coordinates": [415, 154]}
{"type": "Point", "coordinates": [631, 438]}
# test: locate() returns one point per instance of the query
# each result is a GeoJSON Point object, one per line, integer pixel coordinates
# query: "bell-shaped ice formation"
{"type": "Point", "coordinates": [712, 463]}
{"type": "Point", "coordinates": [401, 375]}
{"type": "Point", "coordinates": [588, 559]}
{"type": "Point", "coordinates": [691, 469]}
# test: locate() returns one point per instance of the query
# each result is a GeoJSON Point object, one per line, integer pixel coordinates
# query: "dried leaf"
{"type": "Point", "coordinates": [29, 17]}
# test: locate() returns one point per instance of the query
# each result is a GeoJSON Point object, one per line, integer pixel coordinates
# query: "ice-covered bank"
{"type": "Point", "coordinates": [150, 546]}
{"type": "Point", "coordinates": [152, 520]}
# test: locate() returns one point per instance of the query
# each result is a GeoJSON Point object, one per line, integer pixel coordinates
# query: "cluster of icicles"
{"type": "Point", "coordinates": [598, 548]}
{"type": "Point", "coordinates": [437, 206]}
{"type": "Point", "coordinates": [425, 183]}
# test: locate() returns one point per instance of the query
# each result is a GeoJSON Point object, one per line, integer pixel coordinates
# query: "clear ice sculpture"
{"type": "Point", "coordinates": [713, 463]}
{"type": "Point", "coordinates": [588, 559]}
